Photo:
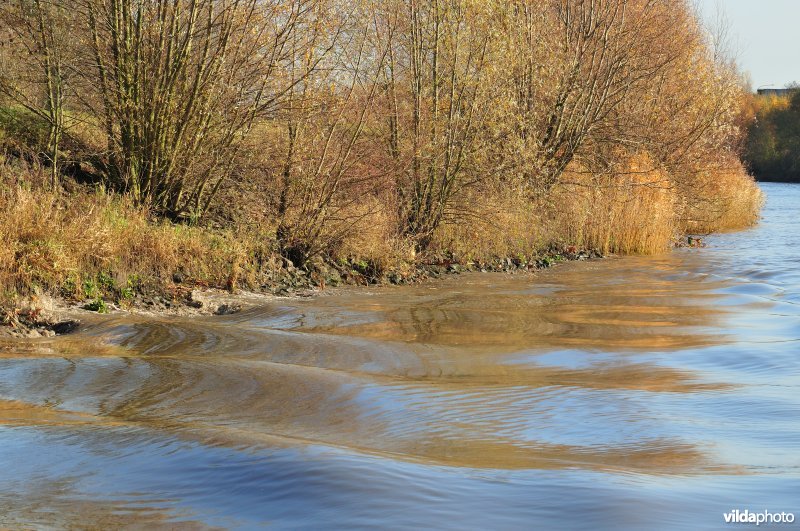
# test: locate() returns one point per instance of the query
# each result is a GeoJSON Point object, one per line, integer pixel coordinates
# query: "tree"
{"type": "Point", "coordinates": [339, 57]}
{"type": "Point", "coordinates": [39, 68]}
{"type": "Point", "coordinates": [435, 100]}
{"type": "Point", "coordinates": [180, 84]}
{"type": "Point", "coordinates": [582, 61]}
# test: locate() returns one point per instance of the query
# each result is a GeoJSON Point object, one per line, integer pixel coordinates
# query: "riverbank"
{"type": "Point", "coordinates": [376, 161]}
{"type": "Point", "coordinates": [46, 316]}
{"type": "Point", "coordinates": [82, 247]}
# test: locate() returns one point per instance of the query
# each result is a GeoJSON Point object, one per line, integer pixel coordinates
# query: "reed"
{"type": "Point", "coordinates": [491, 223]}
{"type": "Point", "coordinates": [630, 210]}
{"type": "Point", "coordinates": [722, 200]}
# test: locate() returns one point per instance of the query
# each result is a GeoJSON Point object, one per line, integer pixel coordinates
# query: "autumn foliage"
{"type": "Point", "coordinates": [395, 129]}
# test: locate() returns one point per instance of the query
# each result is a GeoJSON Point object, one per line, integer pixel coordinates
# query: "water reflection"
{"type": "Point", "coordinates": [655, 308]}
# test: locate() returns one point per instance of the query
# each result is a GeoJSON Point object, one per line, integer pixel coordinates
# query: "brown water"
{"type": "Point", "coordinates": [626, 393]}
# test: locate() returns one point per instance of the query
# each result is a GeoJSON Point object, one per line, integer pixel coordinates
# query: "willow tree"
{"type": "Point", "coordinates": [338, 58]}
{"type": "Point", "coordinates": [36, 71]}
{"type": "Point", "coordinates": [575, 63]}
{"type": "Point", "coordinates": [180, 84]}
{"type": "Point", "coordinates": [437, 103]}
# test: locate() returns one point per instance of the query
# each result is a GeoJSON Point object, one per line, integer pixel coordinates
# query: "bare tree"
{"type": "Point", "coordinates": [181, 82]}
{"type": "Point", "coordinates": [39, 68]}
{"type": "Point", "coordinates": [322, 175]}
{"type": "Point", "coordinates": [605, 51]}
{"type": "Point", "coordinates": [436, 74]}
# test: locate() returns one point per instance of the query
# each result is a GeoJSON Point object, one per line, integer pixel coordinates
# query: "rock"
{"type": "Point", "coordinates": [333, 278]}
{"type": "Point", "coordinates": [65, 327]}
{"type": "Point", "coordinates": [228, 309]}
{"type": "Point", "coordinates": [198, 299]}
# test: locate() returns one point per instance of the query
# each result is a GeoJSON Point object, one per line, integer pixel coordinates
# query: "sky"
{"type": "Point", "coordinates": [766, 36]}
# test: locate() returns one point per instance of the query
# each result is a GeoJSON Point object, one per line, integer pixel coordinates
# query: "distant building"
{"type": "Point", "coordinates": [777, 91]}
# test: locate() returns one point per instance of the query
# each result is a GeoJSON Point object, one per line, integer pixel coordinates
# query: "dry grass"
{"type": "Point", "coordinates": [371, 238]}
{"type": "Point", "coordinates": [97, 245]}
{"type": "Point", "coordinates": [634, 209]}
{"type": "Point", "coordinates": [721, 200]}
{"type": "Point", "coordinates": [492, 223]}
{"type": "Point", "coordinates": [87, 244]}
{"type": "Point", "coordinates": [631, 211]}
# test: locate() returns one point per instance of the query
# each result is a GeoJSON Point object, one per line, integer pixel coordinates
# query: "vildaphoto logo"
{"type": "Point", "coordinates": [764, 517]}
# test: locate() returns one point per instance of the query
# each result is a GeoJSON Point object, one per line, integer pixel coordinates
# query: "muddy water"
{"type": "Point", "coordinates": [626, 393]}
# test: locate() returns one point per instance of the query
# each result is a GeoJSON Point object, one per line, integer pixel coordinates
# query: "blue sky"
{"type": "Point", "coordinates": [767, 37]}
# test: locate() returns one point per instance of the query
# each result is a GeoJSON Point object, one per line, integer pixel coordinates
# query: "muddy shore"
{"type": "Point", "coordinates": [46, 316]}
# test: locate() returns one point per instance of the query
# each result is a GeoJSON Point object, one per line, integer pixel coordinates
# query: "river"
{"type": "Point", "coordinates": [626, 393]}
